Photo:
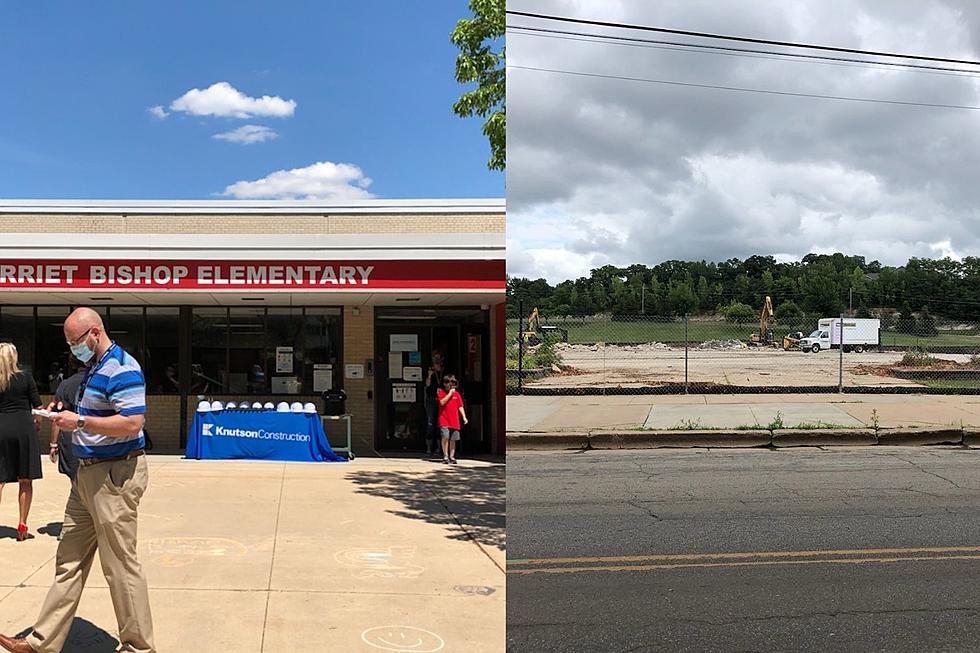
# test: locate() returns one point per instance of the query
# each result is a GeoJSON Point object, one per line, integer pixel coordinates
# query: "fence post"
{"type": "Point", "coordinates": [840, 378]}
{"type": "Point", "coordinates": [686, 381]}
{"type": "Point", "coordinates": [520, 347]}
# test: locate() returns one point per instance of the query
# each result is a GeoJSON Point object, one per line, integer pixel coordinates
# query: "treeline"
{"type": "Point", "coordinates": [824, 284]}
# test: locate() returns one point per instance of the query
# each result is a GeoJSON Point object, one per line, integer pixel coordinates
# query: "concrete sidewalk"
{"type": "Point", "coordinates": [688, 412]}
{"type": "Point", "coordinates": [377, 554]}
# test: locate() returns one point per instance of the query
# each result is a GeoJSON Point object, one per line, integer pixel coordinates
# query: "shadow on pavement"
{"type": "Point", "coordinates": [475, 496]}
{"type": "Point", "coordinates": [51, 528]}
{"type": "Point", "coordinates": [85, 637]}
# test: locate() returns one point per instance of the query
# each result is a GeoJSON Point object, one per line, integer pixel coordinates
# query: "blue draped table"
{"type": "Point", "coordinates": [259, 435]}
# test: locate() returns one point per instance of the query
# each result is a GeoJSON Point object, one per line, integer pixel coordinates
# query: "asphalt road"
{"type": "Point", "coordinates": [863, 549]}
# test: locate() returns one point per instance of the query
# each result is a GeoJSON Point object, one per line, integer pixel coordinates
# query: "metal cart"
{"type": "Point", "coordinates": [349, 450]}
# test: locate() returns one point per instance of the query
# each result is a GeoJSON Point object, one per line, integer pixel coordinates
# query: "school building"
{"type": "Point", "coordinates": [271, 301]}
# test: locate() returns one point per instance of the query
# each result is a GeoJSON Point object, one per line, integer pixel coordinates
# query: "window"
{"type": "Point", "coordinates": [162, 366]}
{"type": "Point", "coordinates": [323, 338]}
{"type": "Point", "coordinates": [52, 350]}
{"type": "Point", "coordinates": [209, 351]}
{"type": "Point", "coordinates": [284, 350]}
{"type": "Point", "coordinates": [246, 351]}
{"type": "Point", "coordinates": [125, 328]}
{"type": "Point", "coordinates": [17, 326]}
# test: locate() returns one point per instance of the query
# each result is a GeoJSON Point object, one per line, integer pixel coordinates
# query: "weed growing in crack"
{"type": "Point", "coordinates": [687, 425]}
{"type": "Point", "coordinates": [777, 422]}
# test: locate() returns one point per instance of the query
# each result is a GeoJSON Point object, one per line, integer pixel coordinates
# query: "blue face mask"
{"type": "Point", "coordinates": [82, 351]}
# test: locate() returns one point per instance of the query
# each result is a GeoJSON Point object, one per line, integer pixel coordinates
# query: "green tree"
{"type": "Point", "coordinates": [681, 299]}
{"type": "Point", "coordinates": [478, 62]}
{"type": "Point", "coordinates": [906, 320]}
{"type": "Point", "coordinates": [927, 324]}
{"type": "Point", "coordinates": [789, 315]}
{"type": "Point", "coordinates": [739, 313]}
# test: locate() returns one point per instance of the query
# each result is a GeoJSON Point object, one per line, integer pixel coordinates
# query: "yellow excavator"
{"type": "Point", "coordinates": [766, 323]}
{"type": "Point", "coordinates": [535, 330]}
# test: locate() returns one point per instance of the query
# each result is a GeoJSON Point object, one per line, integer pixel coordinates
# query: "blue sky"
{"type": "Point", "coordinates": [372, 82]}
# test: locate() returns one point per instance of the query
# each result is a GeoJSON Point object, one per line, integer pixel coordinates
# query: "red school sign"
{"type": "Point", "coordinates": [252, 275]}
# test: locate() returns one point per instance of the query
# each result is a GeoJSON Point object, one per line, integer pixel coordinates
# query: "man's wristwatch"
{"type": "Point", "coordinates": [80, 424]}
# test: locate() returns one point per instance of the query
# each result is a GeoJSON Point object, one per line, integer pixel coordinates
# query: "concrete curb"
{"type": "Point", "coordinates": [920, 436]}
{"type": "Point", "coordinates": [658, 439]}
{"type": "Point", "coordinates": [971, 438]}
{"type": "Point", "coordinates": [742, 439]}
{"type": "Point", "coordinates": [546, 441]}
{"type": "Point", "coordinates": [823, 437]}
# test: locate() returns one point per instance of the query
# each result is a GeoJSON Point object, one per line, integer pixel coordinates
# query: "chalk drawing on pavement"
{"type": "Point", "coordinates": [382, 562]}
{"type": "Point", "coordinates": [184, 551]}
{"type": "Point", "coordinates": [403, 638]}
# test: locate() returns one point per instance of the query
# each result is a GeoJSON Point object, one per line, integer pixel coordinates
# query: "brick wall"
{"type": "Point", "coordinates": [358, 349]}
{"type": "Point", "coordinates": [255, 224]}
{"type": "Point", "coordinates": [163, 422]}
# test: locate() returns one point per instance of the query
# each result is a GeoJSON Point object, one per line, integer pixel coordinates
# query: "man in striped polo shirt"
{"type": "Point", "coordinates": [102, 507]}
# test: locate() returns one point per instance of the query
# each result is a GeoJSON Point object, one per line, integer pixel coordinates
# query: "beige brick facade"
{"type": "Point", "coordinates": [358, 349]}
{"type": "Point", "coordinates": [408, 223]}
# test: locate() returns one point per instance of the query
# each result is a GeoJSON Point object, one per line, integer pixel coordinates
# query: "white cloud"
{"type": "Point", "coordinates": [158, 111]}
{"type": "Point", "coordinates": [605, 171]}
{"type": "Point", "coordinates": [225, 101]}
{"type": "Point", "coordinates": [247, 134]}
{"type": "Point", "coordinates": [321, 180]}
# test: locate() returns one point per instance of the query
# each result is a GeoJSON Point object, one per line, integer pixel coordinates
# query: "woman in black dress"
{"type": "Point", "coordinates": [20, 453]}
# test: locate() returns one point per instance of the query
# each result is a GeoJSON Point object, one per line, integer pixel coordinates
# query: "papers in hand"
{"type": "Point", "coordinates": [40, 412]}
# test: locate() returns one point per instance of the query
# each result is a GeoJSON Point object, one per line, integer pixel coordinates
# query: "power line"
{"type": "Point", "coordinates": [608, 39]}
{"type": "Point", "coordinates": [744, 39]}
{"type": "Point", "coordinates": [743, 89]}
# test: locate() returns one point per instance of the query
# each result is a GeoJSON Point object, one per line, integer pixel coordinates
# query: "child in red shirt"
{"type": "Point", "coordinates": [450, 410]}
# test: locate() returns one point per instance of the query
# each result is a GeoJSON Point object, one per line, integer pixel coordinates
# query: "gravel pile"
{"type": "Point", "coordinates": [723, 344]}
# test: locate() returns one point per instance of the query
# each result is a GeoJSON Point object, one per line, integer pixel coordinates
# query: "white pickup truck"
{"type": "Point", "coordinates": [859, 334]}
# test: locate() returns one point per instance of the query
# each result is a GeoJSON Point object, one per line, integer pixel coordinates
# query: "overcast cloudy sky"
{"type": "Point", "coordinates": [605, 171]}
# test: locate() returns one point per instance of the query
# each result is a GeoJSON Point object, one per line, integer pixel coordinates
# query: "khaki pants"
{"type": "Point", "coordinates": [101, 515]}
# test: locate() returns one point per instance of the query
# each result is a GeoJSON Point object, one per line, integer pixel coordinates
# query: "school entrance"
{"type": "Point", "coordinates": [404, 344]}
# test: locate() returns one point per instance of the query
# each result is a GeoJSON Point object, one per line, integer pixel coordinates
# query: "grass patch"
{"type": "Point", "coordinates": [687, 425]}
{"type": "Point", "coordinates": [966, 384]}
{"type": "Point", "coordinates": [581, 331]}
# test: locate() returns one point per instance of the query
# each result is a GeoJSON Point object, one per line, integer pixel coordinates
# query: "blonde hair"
{"type": "Point", "coordinates": [8, 364]}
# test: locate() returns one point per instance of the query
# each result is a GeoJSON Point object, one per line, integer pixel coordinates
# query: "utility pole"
{"type": "Point", "coordinates": [643, 296]}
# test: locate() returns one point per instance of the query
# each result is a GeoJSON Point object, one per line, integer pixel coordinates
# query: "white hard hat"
{"type": "Point", "coordinates": [269, 405]}
{"type": "Point", "coordinates": [296, 407]}
{"type": "Point", "coordinates": [230, 405]}
{"type": "Point", "coordinates": [217, 405]}
{"type": "Point", "coordinates": [282, 407]}
{"type": "Point", "coordinates": [309, 407]}
{"type": "Point", "coordinates": [244, 405]}
{"type": "Point", "coordinates": [203, 407]}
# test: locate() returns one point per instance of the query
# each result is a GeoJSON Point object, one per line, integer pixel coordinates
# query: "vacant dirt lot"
{"type": "Point", "coordinates": [653, 364]}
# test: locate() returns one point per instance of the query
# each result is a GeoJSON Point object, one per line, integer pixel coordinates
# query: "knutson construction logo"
{"type": "Point", "coordinates": [217, 430]}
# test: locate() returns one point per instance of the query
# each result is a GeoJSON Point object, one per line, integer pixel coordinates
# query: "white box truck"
{"type": "Point", "coordinates": [859, 334]}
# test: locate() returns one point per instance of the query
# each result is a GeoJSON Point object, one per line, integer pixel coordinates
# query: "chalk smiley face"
{"type": "Point", "coordinates": [406, 639]}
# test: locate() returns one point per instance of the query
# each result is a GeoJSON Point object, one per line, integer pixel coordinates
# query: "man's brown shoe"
{"type": "Point", "coordinates": [16, 645]}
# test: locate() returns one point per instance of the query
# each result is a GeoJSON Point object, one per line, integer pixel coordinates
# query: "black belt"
{"type": "Point", "coordinates": [129, 456]}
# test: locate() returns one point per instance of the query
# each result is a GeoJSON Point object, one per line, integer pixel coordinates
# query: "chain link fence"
{"type": "Point", "coordinates": [644, 354]}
